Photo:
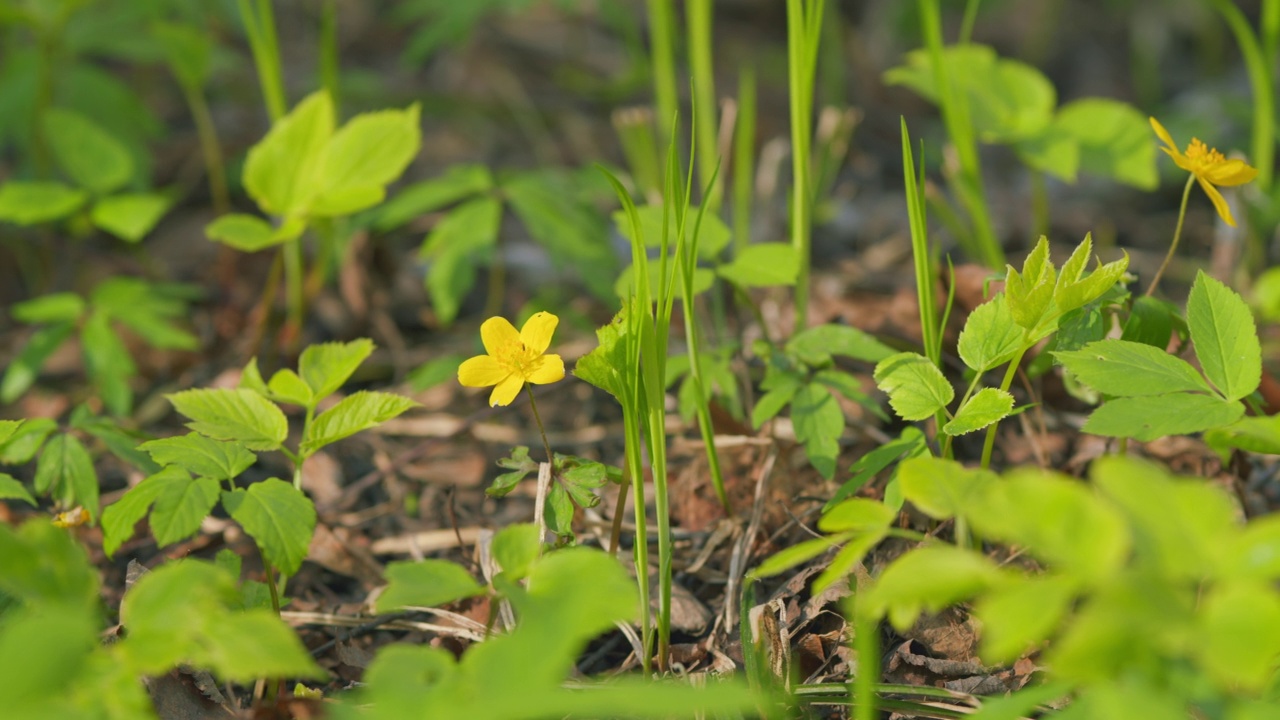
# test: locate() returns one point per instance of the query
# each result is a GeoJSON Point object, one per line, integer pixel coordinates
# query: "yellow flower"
{"type": "Point", "coordinates": [513, 358]}
{"type": "Point", "coordinates": [74, 517]}
{"type": "Point", "coordinates": [1209, 167]}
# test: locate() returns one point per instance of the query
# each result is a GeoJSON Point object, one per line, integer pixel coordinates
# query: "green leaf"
{"type": "Point", "coordinates": [8, 429]}
{"type": "Point", "coordinates": [23, 444]}
{"type": "Point", "coordinates": [429, 583]}
{"type": "Point", "coordinates": [703, 280]}
{"type": "Point", "coordinates": [282, 172]}
{"type": "Point", "coordinates": [581, 482]}
{"type": "Point", "coordinates": [88, 154]}
{"type": "Point", "coordinates": [857, 515]}
{"type": "Point", "coordinates": [278, 517]}
{"type": "Point", "coordinates": [201, 456]}
{"type": "Point", "coordinates": [1098, 282]}
{"type": "Point", "coordinates": [818, 422]}
{"type": "Point", "coordinates": [515, 547]}
{"type": "Point", "coordinates": [941, 488]}
{"type": "Point", "coordinates": [910, 443]}
{"type": "Point", "coordinates": [1251, 434]}
{"type": "Point", "coordinates": [366, 154]}
{"type": "Point", "coordinates": [130, 216]}
{"type": "Point", "coordinates": [25, 368]}
{"type": "Point", "coordinates": [32, 203]}
{"type": "Point", "coordinates": [847, 559]}
{"type": "Point", "coordinates": [52, 308]}
{"type": "Point", "coordinates": [457, 183]}
{"type": "Point", "coordinates": [463, 240]}
{"type": "Point", "coordinates": [1130, 369]}
{"type": "Point", "coordinates": [1150, 322]}
{"type": "Point", "coordinates": [45, 566]}
{"type": "Point", "coordinates": [327, 366]}
{"type": "Point", "coordinates": [187, 50]}
{"type": "Point", "coordinates": [120, 441]}
{"type": "Point", "coordinates": [929, 578]}
{"type": "Point", "coordinates": [916, 388]}
{"type": "Point", "coordinates": [107, 362]}
{"type": "Point", "coordinates": [240, 415]}
{"type": "Point", "coordinates": [65, 471]}
{"type": "Point", "coordinates": [990, 337]}
{"type": "Point", "coordinates": [148, 309]}
{"type": "Point", "coordinates": [570, 229]}
{"type": "Point", "coordinates": [1019, 614]}
{"type": "Point", "coordinates": [559, 511]}
{"type": "Point", "coordinates": [987, 406]}
{"type": "Point", "coordinates": [286, 386]}
{"type": "Point", "coordinates": [762, 265]}
{"type": "Point", "coordinates": [1238, 634]}
{"type": "Point", "coordinates": [12, 489]}
{"type": "Point", "coordinates": [119, 519]}
{"type": "Point", "coordinates": [249, 233]}
{"type": "Point", "coordinates": [357, 412]}
{"type": "Point", "coordinates": [607, 366]}
{"type": "Point", "coordinates": [1114, 140]}
{"type": "Point", "coordinates": [1148, 418]}
{"type": "Point", "coordinates": [713, 236]}
{"type": "Point", "coordinates": [1226, 340]}
{"type": "Point", "coordinates": [434, 372]}
{"type": "Point", "coordinates": [180, 509]}
{"type": "Point", "coordinates": [772, 402]}
{"type": "Point", "coordinates": [793, 555]}
{"type": "Point", "coordinates": [814, 346]}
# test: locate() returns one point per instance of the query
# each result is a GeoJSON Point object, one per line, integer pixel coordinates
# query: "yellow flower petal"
{"type": "Point", "coordinates": [498, 333]}
{"type": "Point", "coordinates": [1219, 202]}
{"type": "Point", "coordinates": [537, 331]}
{"type": "Point", "coordinates": [1229, 173]}
{"type": "Point", "coordinates": [481, 371]}
{"type": "Point", "coordinates": [1165, 138]}
{"type": "Point", "coordinates": [506, 390]}
{"type": "Point", "coordinates": [550, 369]}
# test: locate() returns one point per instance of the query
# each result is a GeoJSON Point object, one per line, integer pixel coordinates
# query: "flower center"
{"type": "Point", "coordinates": [1202, 156]}
{"type": "Point", "coordinates": [517, 359]}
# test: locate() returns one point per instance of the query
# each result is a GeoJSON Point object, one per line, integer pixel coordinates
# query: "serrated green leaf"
{"type": "Point", "coordinates": [8, 429]}
{"type": "Point", "coordinates": [282, 171]}
{"type": "Point", "coordinates": [458, 182]}
{"type": "Point", "coordinates": [1098, 282]}
{"type": "Point", "coordinates": [286, 386]}
{"type": "Point", "coordinates": [818, 422]}
{"type": "Point", "coordinates": [814, 346]}
{"type": "Point", "coordinates": [327, 366]}
{"type": "Point", "coordinates": [1226, 340]}
{"type": "Point", "coordinates": [32, 203]}
{"type": "Point", "coordinates": [65, 471]}
{"type": "Point", "coordinates": [515, 548]}
{"type": "Point", "coordinates": [52, 308]}
{"type": "Point", "coordinates": [240, 415]}
{"type": "Point", "coordinates": [130, 216]}
{"type": "Point", "coordinates": [1130, 369]}
{"type": "Point", "coordinates": [278, 517]}
{"type": "Point", "coordinates": [87, 153]}
{"type": "Point", "coordinates": [368, 152]}
{"type": "Point", "coordinates": [607, 366]}
{"type": "Point", "coordinates": [1148, 418]}
{"type": "Point", "coordinates": [25, 368]}
{"type": "Point", "coordinates": [429, 583]}
{"type": "Point", "coordinates": [463, 240]}
{"type": "Point", "coordinates": [355, 413]}
{"type": "Point", "coordinates": [916, 388]}
{"type": "Point", "coordinates": [987, 406]}
{"type": "Point", "coordinates": [990, 337]}
{"type": "Point", "coordinates": [581, 482]}
{"type": "Point", "coordinates": [119, 519]}
{"type": "Point", "coordinates": [12, 489]}
{"type": "Point", "coordinates": [180, 508]}
{"type": "Point", "coordinates": [762, 265]}
{"type": "Point", "coordinates": [1251, 434]}
{"type": "Point", "coordinates": [941, 488]}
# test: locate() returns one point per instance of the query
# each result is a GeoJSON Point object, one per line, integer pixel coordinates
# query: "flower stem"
{"type": "Point", "coordinates": [541, 430]}
{"type": "Point", "coordinates": [1177, 233]}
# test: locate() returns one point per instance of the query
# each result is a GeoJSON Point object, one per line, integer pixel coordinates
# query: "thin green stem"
{"type": "Point", "coordinates": [804, 23]}
{"type": "Point", "coordinates": [990, 442]}
{"type": "Point", "coordinates": [615, 532]}
{"type": "Point", "coordinates": [1177, 234]}
{"type": "Point", "coordinates": [329, 50]}
{"type": "Point", "coordinates": [866, 643]}
{"type": "Point", "coordinates": [295, 297]}
{"type": "Point", "coordinates": [533, 405]}
{"type": "Point", "coordinates": [744, 153]}
{"type": "Point", "coordinates": [1259, 66]}
{"type": "Point", "coordinates": [698, 17]}
{"type": "Point", "coordinates": [259, 24]}
{"type": "Point", "coordinates": [663, 53]}
{"type": "Point", "coordinates": [970, 19]}
{"type": "Point", "coordinates": [210, 147]}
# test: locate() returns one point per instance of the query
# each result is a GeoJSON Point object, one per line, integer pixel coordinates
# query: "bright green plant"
{"type": "Point", "coordinates": [183, 614]}
{"type": "Point", "coordinates": [575, 484]}
{"type": "Point", "coordinates": [198, 470]}
{"type": "Point", "coordinates": [556, 617]}
{"type": "Point", "coordinates": [1152, 393]}
{"type": "Point", "coordinates": [997, 334]}
{"type": "Point", "coordinates": [1154, 597]}
{"type": "Point", "coordinates": [556, 208]}
{"type": "Point", "coordinates": [308, 173]}
{"type": "Point", "coordinates": [804, 31]}
{"type": "Point", "coordinates": [147, 310]}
